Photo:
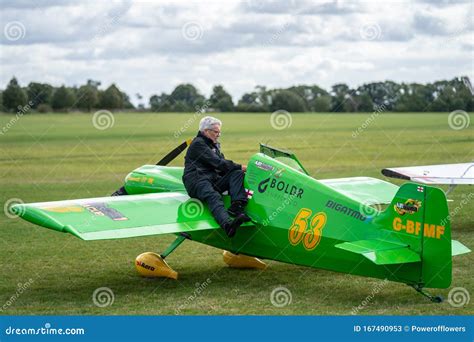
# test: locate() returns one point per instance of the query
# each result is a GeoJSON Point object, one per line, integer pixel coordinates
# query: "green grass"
{"type": "Point", "coordinates": [56, 156]}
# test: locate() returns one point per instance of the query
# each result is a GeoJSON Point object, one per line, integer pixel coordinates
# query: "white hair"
{"type": "Point", "coordinates": [207, 122]}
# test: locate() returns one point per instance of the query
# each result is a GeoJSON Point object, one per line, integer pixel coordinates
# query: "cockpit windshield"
{"type": "Point", "coordinates": [285, 157]}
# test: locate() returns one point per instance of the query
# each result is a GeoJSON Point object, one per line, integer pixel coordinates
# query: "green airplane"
{"type": "Point", "coordinates": [362, 226]}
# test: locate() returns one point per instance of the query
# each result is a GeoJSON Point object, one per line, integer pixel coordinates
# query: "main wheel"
{"type": "Point", "coordinates": [437, 299]}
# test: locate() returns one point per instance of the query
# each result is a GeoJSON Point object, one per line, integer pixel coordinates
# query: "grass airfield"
{"type": "Point", "coordinates": [65, 156]}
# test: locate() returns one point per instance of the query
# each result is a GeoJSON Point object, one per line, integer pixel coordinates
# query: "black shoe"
{"type": "Point", "coordinates": [231, 226]}
{"type": "Point", "coordinates": [120, 192]}
{"type": "Point", "coordinates": [245, 217]}
{"type": "Point", "coordinates": [237, 208]}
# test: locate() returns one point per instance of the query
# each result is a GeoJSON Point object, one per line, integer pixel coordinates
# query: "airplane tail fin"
{"type": "Point", "coordinates": [419, 216]}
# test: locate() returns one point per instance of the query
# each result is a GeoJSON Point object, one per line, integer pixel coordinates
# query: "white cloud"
{"type": "Point", "coordinates": [141, 45]}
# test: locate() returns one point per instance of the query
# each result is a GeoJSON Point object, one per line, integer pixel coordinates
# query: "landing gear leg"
{"type": "Point", "coordinates": [178, 241]}
{"type": "Point", "coordinates": [434, 299]}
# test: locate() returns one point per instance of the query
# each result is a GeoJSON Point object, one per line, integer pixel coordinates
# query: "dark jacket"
{"type": "Point", "coordinates": [204, 160]}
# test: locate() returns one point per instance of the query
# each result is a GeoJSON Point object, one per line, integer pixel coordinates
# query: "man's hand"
{"type": "Point", "coordinates": [244, 168]}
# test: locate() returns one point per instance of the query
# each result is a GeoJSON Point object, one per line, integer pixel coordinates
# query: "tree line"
{"type": "Point", "coordinates": [439, 96]}
{"type": "Point", "coordinates": [44, 98]}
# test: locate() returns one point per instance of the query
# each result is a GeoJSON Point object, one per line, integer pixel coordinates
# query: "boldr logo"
{"type": "Point", "coordinates": [281, 186]}
{"type": "Point", "coordinates": [263, 185]}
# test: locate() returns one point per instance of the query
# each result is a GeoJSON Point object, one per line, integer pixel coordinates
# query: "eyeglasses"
{"type": "Point", "coordinates": [215, 131]}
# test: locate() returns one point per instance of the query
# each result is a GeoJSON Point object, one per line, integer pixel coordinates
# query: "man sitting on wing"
{"type": "Point", "coordinates": [207, 174]}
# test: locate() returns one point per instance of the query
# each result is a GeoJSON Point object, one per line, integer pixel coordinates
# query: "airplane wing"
{"type": "Point", "coordinates": [450, 174]}
{"type": "Point", "coordinates": [120, 216]}
{"type": "Point", "coordinates": [364, 189]}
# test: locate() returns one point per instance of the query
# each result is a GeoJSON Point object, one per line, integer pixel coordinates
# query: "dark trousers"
{"type": "Point", "coordinates": [210, 192]}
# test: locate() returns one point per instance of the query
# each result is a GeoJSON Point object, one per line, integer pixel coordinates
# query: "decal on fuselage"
{"type": "Point", "coordinates": [263, 166]}
{"type": "Point", "coordinates": [307, 229]}
{"type": "Point", "coordinates": [281, 186]}
{"type": "Point", "coordinates": [345, 210]}
{"type": "Point", "coordinates": [141, 179]}
{"type": "Point", "coordinates": [414, 228]}
{"type": "Point", "coordinates": [410, 206]}
{"type": "Point", "coordinates": [101, 209]}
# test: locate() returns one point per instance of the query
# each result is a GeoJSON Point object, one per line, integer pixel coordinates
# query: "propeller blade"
{"type": "Point", "coordinates": [174, 153]}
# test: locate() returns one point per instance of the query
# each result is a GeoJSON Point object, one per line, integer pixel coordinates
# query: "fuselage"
{"type": "Point", "coordinates": [297, 220]}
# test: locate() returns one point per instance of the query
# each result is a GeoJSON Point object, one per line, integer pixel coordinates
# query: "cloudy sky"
{"type": "Point", "coordinates": [149, 47]}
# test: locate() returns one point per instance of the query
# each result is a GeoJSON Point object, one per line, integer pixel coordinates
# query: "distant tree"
{"type": "Point", "coordinates": [14, 96]}
{"type": "Point", "coordinates": [250, 103]}
{"type": "Point", "coordinates": [340, 92]}
{"type": "Point", "coordinates": [2, 108]}
{"type": "Point", "coordinates": [127, 104]}
{"type": "Point", "coordinates": [356, 102]}
{"type": "Point", "coordinates": [384, 94]}
{"type": "Point", "coordinates": [87, 97]}
{"type": "Point", "coordinates": [39, 93]}
{"type": "Point", "coordinates": [415, 98]}
{"type": "Point", "coordinates": [92, 83]}
{"type": "Point", "coordinates": [309, 94]}
{"type": "Point", "coordinates": [185, 98]}
{"type": "Point", "coordinates": [439, 105]}
{"type": "Point", "coordinates": [256, 101]}
{"type": "Point", "coordinates": [365, 103]}
{"type": "Point", "coordinates": [287, 100]}
{"type": "Point", "coordinates": [452, 95]}
{"type": "Point", "coordinates": [160, 103]}
{"type": "Point", "coordinates": [63, 98]}
{"type": "Point", "coordinates": [322, 104]}
{"type": "Point", "coordinates": [263, 97]}
{"type": "Point", "coordinates": [111, 98]}
{"type": "Point", "coordinates": [141, 105]}
{"type": "Point", "coordinates": [221, 100]}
